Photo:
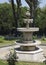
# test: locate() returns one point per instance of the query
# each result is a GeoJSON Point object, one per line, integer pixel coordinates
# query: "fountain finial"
{"type": "Point", "coordinates": [28, 20]}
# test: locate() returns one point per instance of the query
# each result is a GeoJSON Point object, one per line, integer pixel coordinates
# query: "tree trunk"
{"type": "Point", "coordinates": [15, 16]}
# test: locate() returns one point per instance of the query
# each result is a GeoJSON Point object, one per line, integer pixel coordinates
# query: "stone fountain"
{"type": "Point", "coordinates": [28, 49]}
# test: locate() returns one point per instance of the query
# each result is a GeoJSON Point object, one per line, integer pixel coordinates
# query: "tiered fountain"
{"type": "Point", "coordinates": [28, 49]}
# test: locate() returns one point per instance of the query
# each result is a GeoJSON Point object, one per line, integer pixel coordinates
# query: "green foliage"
{"type": "Point", "coordinates": [12, 58]}
{"type": "Point", "coordinates": [9, 37]}
{"type": "Point", "coordinates": [43, 38]}
{"type": "Point", "coordinates": [22, 63]}
{"type": "Point", "coordinates": [3, 62]}
{"type": "Point", "coordinates": [40, 19]}
{"type": "Point", "coordinates": [1, 39]}
{"type": "Point", "coordinates": [6, 18]}
{"type": "Point", "coordinates": [34, 37]}
{"type": "Point", "coordinates": [22, 15]}
{"type": "Point", "coordinates": [4, 41]}
{"type": "Point", "coordinates": [30, 63]}
{"type": "Point", "coordinates": [7, 23]}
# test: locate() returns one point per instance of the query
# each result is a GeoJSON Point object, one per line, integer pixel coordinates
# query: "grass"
{"type": "Point", "coordinates": [8, 40]}
{"type": "Point", "coordinates": [42, 39]}
{"type": "Point", "coordinates": [30, 63]}
{"type": "Point", "coordinates": [21, 63]}
{"type": "Point", "coordinates": [3, 62]}
{"type": "Point", "coordinates": [4, 41]}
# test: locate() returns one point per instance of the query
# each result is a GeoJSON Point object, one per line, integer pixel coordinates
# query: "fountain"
{"type": "Point", "coordinates": [28, 49]}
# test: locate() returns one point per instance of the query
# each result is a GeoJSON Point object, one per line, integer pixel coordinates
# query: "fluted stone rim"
{"type": "Point", "coordinates": [28, 52]}
{"type": "Point", "coordinates": [37, 42]}
{"type": "Point", "coordinates": [32, 29]}
{"type": "Point", "coordinates": [29, 20]}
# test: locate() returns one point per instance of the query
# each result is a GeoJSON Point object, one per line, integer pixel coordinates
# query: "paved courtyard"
{"type": "Point", "coordinates": [5, 51]}
{"type": "Point", "coordinates": [44, 49]}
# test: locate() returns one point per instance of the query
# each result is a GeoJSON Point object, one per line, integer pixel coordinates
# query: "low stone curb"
{"type": "Point", "coordinates": [44, 44]}
{"type": "Point", "coordinates": [7, 45]}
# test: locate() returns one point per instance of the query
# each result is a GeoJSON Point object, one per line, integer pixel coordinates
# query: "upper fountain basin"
{"type": "Point", "coordinates": [32, 29]}
{"type": "Point", "coordinates": [28, 20]}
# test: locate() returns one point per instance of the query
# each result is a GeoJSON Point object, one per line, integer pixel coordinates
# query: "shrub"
{"type": "Point", "coordinates": [34, 37]}
{"type": "Point", "coordinates": [9, 37]}
{"type": "Point", "coordinates": [1, 39]}
{"type": "Point", "coordinates": [43, 38]}
{"type": "Point", "coordinates": [12, 57]}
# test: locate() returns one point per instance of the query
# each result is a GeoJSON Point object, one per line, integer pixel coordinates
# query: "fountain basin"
{"type": "Point", "coordinates": [33, 29]}
{"type": "Point", "coordinates": [27, 43]}
{"type": "Point", "coordinates": [28, 46]}
{"type": "Point", "coordinates": [30, 56]}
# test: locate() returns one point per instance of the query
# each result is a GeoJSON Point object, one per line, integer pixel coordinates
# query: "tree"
{"type": "Point", "coordinates": [6, 19]}
{"type": "Point", "coordinates": [40, 20]}
{"type": "Point", "coordinates": [15, 16]}
{"type": "Point", "coordinates": [18, 11]}
{"type": "Point", "coordinates": [7, 22]}
{"type": "Point", "coordinates": [33, 5]}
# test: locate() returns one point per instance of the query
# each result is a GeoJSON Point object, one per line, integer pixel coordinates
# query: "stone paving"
{"type": "Point", "coordinates": [5, 51]}
{"type": "Point", "coordinates": [44, 49]}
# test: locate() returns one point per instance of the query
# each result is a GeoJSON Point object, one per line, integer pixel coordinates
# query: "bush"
{"type": "Point", "coordinates": [34, 37]}
{"type": "Point", "coordinates": [1, 39]}
{"type": "Point", "coordinates": [43, 38]}
{"type": "Point", "coordinates": [12, 57]}
{"type": "Point", "coordinates": [9, 37]}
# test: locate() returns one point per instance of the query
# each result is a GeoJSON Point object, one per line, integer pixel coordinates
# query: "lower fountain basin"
{"type": "Point", "coordinates": [27, 48]}
{"type": "Point", "coordinates": [30, 56]}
